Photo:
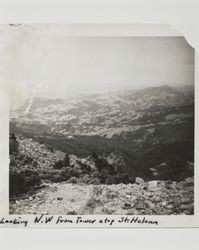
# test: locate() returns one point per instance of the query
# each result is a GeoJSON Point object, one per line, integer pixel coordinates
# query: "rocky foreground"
{"type": "Point", "coordinates": [140, 198]}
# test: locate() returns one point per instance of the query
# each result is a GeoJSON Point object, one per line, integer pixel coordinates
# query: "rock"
{"type": "Point", "coordinates": [170, 206]}
{"type": "Point", "coordinates": [152, 184]}
{"type": "Point", "coordinates": [43, 185]}
{"type": "Point", "coordinates": [185, 200]}
{"type": "Point", "coordinates": [164, 203]}
{"type": "Point", "coordinates": [71, 213]}
{"type": "Point", "coordinates": [139, 180]}
{"type": "Point", "coordinates": [131, 211]}
{"type": "Point", "coordinates": [149, 194]}
{"type": "Point", "coordinates": [44, 212]}
{"type": "Point", "coordinates": [156, 199]}
{"type": "Point", "coordinates": [186, 206]}
{"type": "Point", "coordinates": [189, 181]}
{"type": "Point", "coordinates": [188, 212]}
{"type": "Point", "coordinates": [140, 205]}
{"type": "Point", "coordinates": [34, 206]}
{"type": "Point", "coordinates": [111, 194]}
{"type": "Point", "coordinates": [156, 210]}
{"type": "Point", "coordinates": [168, 212]}
{"type": "Point", "coordinates": [30, 198]}
{"type": "Point", "coordinates": [53, 201]}
{"type": "Point", "coordinates": [153, 169]}
{"type": "Point", "coordinates": [180, 185]}
{"type": "Point", "coordinates": [108, 210]}
{"type": "Point", "coordinates": [137, 188]}
{"type": "Point", "coordinates": [127, 205]}
{"type": "Point", "coordinates": [29, 212]}
{"type": "Point", "coordinates": [177, 199]}
{"type": "Point", "coordinates": [150, 204]}
{"type": "Point", "coordinates": [161, 184]}
{"type": "Point", "coordinates": [155, 173]}
{"type": "Point", "coordinates": [59, 198]}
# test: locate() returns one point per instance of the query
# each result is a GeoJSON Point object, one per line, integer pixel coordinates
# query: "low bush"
{"type": "Point", "coordinates": [13, 144]}
{"type": "Point", "coordinates": [22, 179]}
{"type": "Point", "coordinates": [73, 180]}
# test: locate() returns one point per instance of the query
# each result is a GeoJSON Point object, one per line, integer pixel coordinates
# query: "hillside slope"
{"type": "Point", "coordinates": [153, 125]}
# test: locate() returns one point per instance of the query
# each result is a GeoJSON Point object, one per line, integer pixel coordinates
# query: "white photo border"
{"type": "Point", "coordinates": [179, 221]}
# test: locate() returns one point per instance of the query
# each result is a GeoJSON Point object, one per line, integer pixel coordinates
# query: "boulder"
{"type": "Point", "coordinates": [131, 211]}
{"type": "Point", "coordinates": [127, 205]}
{"type": "Point", "coordinates": [185, 200]}
{"type": "Point", "coordinates": [170, 206]}
{"type": "Point", "coordinates": [189, 181]}
{"type": "Point", "coordinates": [59, 198]}
{"type": "Point", "coordinates": [139, 180]}
{"type": "Point", "coordinates": [150, 204]}
{"type": "Point", "coordinates": [152, 184]}
{"type": "Point", "coordinates": [44, 212]}
{"type": "Point", "coordinates": [140, 204]}
{"type": "Point", "coordinates": [188, 207]}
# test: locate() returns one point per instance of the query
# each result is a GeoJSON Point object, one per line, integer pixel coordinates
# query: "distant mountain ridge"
{"type": "Point", "coordinates": [104, 114]}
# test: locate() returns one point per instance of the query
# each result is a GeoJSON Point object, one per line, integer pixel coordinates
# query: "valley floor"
{"type": "Point", "coordinates": [150, 198]}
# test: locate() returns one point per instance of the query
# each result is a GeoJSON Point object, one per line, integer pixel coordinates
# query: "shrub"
{"type": "Point", "coordinates": [59, 164]}
{"type": "Point", "coordinates": [86, 179]}
{"type": "Point", "coordinates": [13, 144]}
{"type": "Point", "coordinates": [73, 180]}
{"type": "Point", "coordinates": [111, 179]}
{"type": "Point", "coordinates": [62, 163]}
{"type": "Point", "coordinates": [94, 181]}
{"type": "Point", "coordinates": [22, 179]}
{"type": "Point", "coordinates": [56, 175]}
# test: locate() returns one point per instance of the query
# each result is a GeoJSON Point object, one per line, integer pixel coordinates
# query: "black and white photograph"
{"type": "Point", "coordinates": [100, 125]}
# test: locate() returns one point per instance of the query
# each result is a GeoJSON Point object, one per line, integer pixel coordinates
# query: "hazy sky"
{"type": "Point", "coordinates": [98, 64]}
{"type": "Point", "coordinates": [71, 65]}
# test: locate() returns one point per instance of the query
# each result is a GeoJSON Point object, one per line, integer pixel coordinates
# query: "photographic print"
{"type": "Point", "coordinates": [106, 126]}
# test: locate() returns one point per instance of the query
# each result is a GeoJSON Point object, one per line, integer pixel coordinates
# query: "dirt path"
{"type": "Point", "coordinates": [55, 199]}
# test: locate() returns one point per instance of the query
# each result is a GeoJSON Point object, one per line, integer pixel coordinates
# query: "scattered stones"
{"type": "Point", "coordinates": [159, 198]}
